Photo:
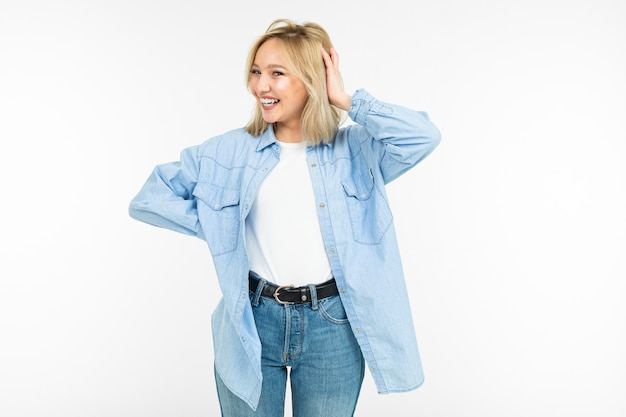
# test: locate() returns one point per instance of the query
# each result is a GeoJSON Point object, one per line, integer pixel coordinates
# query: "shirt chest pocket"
{"type": "Point", "coordinates": [218, 211]}
{"type": "Point", "coordinates": [369, 212]}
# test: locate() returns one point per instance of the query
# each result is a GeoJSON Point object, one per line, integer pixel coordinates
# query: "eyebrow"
{"type": "Point", "coordinates": [270, 66]}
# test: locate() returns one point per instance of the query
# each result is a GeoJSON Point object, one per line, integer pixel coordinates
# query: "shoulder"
{"type": "Point", "coordinates": [228, 144]}
{"type": "Point", "coordinates": [350, 140]}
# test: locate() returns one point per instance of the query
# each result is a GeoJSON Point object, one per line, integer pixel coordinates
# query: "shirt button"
{"type": "Point", "coordinates": [332, 250]}
{"type": "Point", "coordinates": [322, 205]}
{"type": "Point", "coordinates": [372, 368]}
{"type": "Point", "coordinates": [357, 331]}
{"type": "Point", "coordinates": [313, 165]}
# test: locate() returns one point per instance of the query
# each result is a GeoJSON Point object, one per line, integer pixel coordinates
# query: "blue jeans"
{"type": "Point", "coordinates": [314, 344]}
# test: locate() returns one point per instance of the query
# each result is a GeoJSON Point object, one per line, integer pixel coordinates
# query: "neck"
{"type": "Point", "coordinates": [287, 134]}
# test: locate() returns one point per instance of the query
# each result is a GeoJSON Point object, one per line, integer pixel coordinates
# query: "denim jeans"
{"type": "Point", "coordinates": [313, 344]}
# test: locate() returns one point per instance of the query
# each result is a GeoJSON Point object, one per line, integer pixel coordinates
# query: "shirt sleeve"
{"type": "Point", "coordinates": [166, 198]}
{"type": "Point", "coordinates": [401, 137]}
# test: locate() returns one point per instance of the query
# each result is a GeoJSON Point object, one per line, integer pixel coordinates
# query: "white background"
{"type": "Point", "coordinates": [513, 231]}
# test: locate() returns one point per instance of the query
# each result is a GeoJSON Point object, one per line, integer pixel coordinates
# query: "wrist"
{"type": "Point", "coordinates": [344, 102]}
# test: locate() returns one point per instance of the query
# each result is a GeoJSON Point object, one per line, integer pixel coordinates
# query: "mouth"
{"type": "Point", "coordinates": [268, 102]}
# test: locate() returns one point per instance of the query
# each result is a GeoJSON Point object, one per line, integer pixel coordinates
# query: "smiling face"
{"type": "Point", "coordinates": [280, 95]}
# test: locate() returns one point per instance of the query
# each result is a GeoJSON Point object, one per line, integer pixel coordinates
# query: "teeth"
{"type": "Point", "coordinates": [268, 102]}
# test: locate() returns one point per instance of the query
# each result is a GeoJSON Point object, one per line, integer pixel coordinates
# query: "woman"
{"type": "Point", "coordinates": [295, 214]}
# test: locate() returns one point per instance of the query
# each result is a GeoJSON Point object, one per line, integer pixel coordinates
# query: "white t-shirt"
{"type": "Point", "coordinates": [283, 236]}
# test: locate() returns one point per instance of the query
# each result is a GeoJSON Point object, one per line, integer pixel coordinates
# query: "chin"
{"type": "Point", "coordinates": [269, 119]}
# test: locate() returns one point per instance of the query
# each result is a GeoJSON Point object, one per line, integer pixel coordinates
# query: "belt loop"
{"type": "Point", "coordinates": [258, 292]}
{"type": "Point", "coordinates": [313, 292]}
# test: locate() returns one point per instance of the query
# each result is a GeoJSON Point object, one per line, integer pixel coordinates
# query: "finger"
{"type": "Point", "coordinates": [326, 57]}
{"type": "Point", "coordinates": [334, 55]}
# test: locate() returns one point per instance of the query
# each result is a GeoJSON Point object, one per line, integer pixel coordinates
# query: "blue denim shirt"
{"type": "Point", "coordinates": [209, 192]}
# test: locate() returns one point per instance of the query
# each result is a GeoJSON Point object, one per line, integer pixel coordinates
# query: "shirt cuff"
{"type": "Point", "coordinates": [363, 104]}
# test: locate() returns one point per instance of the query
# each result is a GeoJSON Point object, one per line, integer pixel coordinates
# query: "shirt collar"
{"type": "Point", "coordinates": [266, 139]}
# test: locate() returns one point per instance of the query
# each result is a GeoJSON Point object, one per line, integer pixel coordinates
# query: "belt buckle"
{"type": "Point", "coordinates": [276, 293]}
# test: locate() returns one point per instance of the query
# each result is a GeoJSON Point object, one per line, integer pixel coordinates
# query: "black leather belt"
{"type": "Point", "coordinates": [285, 294]}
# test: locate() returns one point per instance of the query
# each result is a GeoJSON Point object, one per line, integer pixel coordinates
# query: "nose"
{"type": "Point", "coordinates": [262, 85]}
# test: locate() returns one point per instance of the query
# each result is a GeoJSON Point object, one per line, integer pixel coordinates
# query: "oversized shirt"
{"type": "Point", "coordinates": [209, 192]}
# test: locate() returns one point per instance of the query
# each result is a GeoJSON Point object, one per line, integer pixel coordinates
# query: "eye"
{"type": "Point", "coordinates": [278, 73]}
{"type": "Point", "coordinates": [255, 71]}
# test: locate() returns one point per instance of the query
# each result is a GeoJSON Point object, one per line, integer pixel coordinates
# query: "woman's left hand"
{"type": "Point", "coordinates": [336, 94]}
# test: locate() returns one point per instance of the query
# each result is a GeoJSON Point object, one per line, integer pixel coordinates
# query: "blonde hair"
{"type": "Point", "coordinates": [300, 45]}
